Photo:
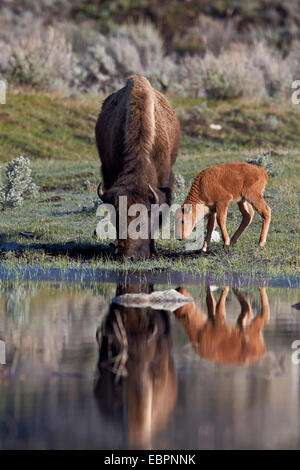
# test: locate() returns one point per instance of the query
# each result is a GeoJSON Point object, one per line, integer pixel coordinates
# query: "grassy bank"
{"type": "Point", "coordinates": [49, 127]}
{"type": "Point", "coordinates": [56, 229]}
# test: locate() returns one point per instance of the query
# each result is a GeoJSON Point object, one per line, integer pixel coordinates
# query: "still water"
{"type": "Point", "coordinates": [83, 372]}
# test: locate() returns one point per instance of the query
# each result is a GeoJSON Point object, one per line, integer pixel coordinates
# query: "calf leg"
{"type": "Point", "coordinates": [246, 310]}
{"type": "Point", "coordinates": [265, 307]}
{"type": "Point", "coordinates": [264, 315]}
{"type": "Point", "coordinates": [211, 304]}
{"type": "Point", "coordinates": [210, 228]}
{"type": "Point", "coordinates": [221, 218]}
{"type": "Point", "coordinates": [265, 212]}
{"type": "Point", "coordinates": [247, 213]}
{"type": "Point", "coordinates": [221, 309]}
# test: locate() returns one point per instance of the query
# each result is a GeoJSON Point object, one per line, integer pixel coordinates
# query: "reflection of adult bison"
{"type": "Point", "coordinates": [214, 339]}
{"type": "Point", "coordinates": [137, 136]}
{"type": "Point", "coordinates": [137, 383]}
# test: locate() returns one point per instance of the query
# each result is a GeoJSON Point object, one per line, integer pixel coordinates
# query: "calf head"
{"type": "Point", "coordinates": [186, 218]}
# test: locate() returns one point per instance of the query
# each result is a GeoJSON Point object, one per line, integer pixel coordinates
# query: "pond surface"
{"type": "Point", "coordinates": [83, 372]}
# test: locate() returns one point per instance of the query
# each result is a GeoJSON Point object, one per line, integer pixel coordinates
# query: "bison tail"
{"type": "Point", "coordinates": [140, 125]}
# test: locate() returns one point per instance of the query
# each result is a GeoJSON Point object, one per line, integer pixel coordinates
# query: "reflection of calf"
{"type": "Point", "coordinates": [215, 340]}
{"type": "Point", "coordinates": [137, 382]}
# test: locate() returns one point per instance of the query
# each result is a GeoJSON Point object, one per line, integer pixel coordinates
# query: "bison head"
{"type": "Point", "coordinates": [133, 218]}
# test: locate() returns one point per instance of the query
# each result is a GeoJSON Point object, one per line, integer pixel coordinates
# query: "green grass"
{"type": "Point", "coordinates": [48, 127]}
{"type": "Point", "coordinates": [58, 135]}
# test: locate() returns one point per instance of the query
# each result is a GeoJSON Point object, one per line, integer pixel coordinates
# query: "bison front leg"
{"type": "Point", "coordinates": [152, 247]}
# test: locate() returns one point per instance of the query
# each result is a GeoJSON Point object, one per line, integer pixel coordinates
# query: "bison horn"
{"type": "Point", "coordinates": [100, 191]}
{"type": "Point", "coordinates": [156, 198]}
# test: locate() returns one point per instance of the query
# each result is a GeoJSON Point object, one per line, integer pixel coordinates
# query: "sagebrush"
{"type": "Point", "coordinates": [16, 183]}
{"type": "Point", "coordinates": [220, 65]}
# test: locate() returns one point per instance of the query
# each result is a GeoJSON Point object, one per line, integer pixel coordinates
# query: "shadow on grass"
{"type": "Point", "coordinates": [72, 250]}
{"type": "Point", "coordinates": [174, 255]}
{"type": "Point", "coordinates": [85, 251]}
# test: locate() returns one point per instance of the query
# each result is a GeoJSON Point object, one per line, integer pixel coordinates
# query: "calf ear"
{"type": "Point", "coordinates": [167, 193]}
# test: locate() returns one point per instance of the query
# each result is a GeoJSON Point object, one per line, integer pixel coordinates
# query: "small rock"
{"type": "Point", "coordinates": [159, 300]}
{"type": "Point", "coordinates": [215, 236]}
{"type": "Point", "coordinates": [215, 127]}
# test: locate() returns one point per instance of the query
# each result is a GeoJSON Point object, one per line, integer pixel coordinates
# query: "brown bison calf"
{"type": "Point", "coordinates": [214, 189]}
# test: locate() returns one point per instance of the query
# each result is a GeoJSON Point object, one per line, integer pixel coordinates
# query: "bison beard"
{"type": "Point", "coordinates": [137, 135]}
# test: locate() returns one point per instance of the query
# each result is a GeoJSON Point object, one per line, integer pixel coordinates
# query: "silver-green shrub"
{"type": "Point", "coordinates": [42, 59]}
{"type": "Point", "coordinates": [221, 64]}
{"type": "Point", "coordinates": [146, 38]}
{"type": "Point", "coordinates": [264, 159]}
{"type": "Point", "coordinates": [177, 75]}
{"type": "Point", "coordinates": [277, 72]}
{"type": "Point", "coordinates": [109, 60]}
{"type": "Point", "coordinates": [232, 74]}
{"type": "Point", "coordinates": [16, 183]}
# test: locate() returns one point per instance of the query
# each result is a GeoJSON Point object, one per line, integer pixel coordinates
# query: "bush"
{"type": "Point", "coordinates": [16, 183]}
{"type": "Point", "coordinates": [232, 75]}
{"type": "Point", "coordinates": [4, 57]}
{"type": "Point", "coordinates": [42, 59]}
{"type": "Point", "coordinates": [177, 75]}
{"type": "Point", "coordinates": [293, 61]}
{"type": "Point", "coordinates": [275, 70]}
{"type": "Point", "coordinates": [217, 66]}
{"type": "Point", "coordinates": [109, 60]}
{"type": "Point", "coordinates": [264, 159]}
{"type": "Point", "coordinates": [207, 35]}
{"type": "Point", "coordinates": [96, 71]}
{"type": "Point", "coordinates": [190, 76]}
{"type": "Point", "coordinates": [147, 40]}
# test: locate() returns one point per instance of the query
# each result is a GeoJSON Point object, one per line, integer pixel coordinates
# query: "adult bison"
{"type": "Point", "coordinates": [137, 134]}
